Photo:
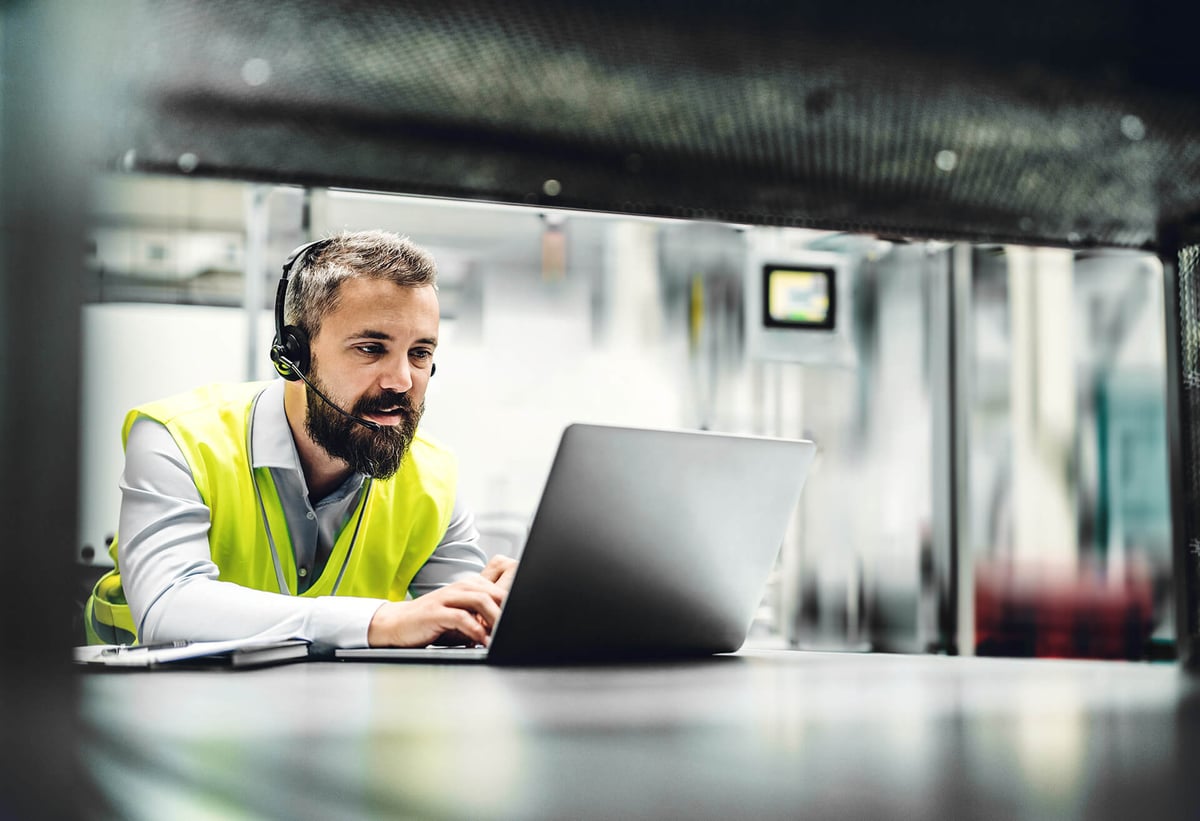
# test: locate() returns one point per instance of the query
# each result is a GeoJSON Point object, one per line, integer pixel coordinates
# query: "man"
{"type": "Point", "coordinates": [311, 505]}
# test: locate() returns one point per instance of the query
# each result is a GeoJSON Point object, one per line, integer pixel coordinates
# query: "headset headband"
{"type": "Point", "coordinates": [295, 258]}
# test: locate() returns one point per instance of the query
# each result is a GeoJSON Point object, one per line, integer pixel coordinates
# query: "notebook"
{"type": "Point", "coordinates": [252, 652]}
{"type": "Point", "coordinates": [646, 544]}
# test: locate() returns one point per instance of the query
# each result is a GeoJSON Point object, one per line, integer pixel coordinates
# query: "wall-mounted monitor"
{"type": "Point", "coordinates": [798, 300]}
{"type": "Point", "coordinates": [799, 296]}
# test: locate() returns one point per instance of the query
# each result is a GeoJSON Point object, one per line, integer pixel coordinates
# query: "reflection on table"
{"type": "Point", "coordinates": [764, 734]}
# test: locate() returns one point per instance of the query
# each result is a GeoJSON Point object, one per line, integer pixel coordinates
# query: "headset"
{"type": "Point", "coordinates": [290, 348]}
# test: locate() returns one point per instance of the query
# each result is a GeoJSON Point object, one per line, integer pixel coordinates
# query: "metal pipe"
{"type": "Point", "coordinates": [253, 287]}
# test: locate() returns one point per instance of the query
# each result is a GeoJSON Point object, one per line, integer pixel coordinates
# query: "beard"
{"type": "Point", "coordinates": [375, 453]}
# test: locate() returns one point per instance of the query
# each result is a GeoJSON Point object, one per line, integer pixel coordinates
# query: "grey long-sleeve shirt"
{"type": "Point", "coordinates": [167, 571]}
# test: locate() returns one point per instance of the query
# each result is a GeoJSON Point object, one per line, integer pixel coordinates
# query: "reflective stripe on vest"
{"type": "Point", "coordinates": [405, 518]}
{"type": "Point", "coordinates": [107, 619]}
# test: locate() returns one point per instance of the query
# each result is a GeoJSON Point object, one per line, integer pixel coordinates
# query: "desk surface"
{"type": "Point", "coordinates": [764, 734]}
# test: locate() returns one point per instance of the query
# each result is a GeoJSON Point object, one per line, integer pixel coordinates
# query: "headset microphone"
{"type": "Point", "coordinates": [364, 422]}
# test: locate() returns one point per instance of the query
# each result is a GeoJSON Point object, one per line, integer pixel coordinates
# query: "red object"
{"type": "Point", "coordinates": [1036, 609]}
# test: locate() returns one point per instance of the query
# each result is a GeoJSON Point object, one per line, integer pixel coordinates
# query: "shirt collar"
{"type": "Point", "coordinates": [273, 445]}
{"type": "Point", "coordinates": [271, 442]}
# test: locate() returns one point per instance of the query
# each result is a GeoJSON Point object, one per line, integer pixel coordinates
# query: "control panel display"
{"type": "Point", "coordinates": [798, 297]}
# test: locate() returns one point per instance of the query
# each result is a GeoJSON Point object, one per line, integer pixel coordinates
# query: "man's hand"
{"type": "Point", "coordinates": [468, 608]}
{"type": "Point", "coordinates": [500, 571]}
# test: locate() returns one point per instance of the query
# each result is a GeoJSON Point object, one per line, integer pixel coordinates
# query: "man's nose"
{"type": "Point", "coordinates": [397, 377]}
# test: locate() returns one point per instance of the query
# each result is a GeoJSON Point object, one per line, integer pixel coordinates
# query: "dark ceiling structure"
{"type": "Point", "coordinates": [1064, 123]}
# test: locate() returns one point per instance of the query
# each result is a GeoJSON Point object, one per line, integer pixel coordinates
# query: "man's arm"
{"type": "Point", "coordinates": [174, 591]}
{"type": "Point", "coordinates": [167, 571]}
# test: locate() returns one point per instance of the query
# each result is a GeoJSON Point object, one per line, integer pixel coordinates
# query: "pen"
{"type": "Point", "coordinates": [127, 648]}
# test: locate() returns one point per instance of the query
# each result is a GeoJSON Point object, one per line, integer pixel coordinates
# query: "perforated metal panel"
{"type": "Point", "coordinates": [1184, 430]}
{"type": "Point", "coordinates": [1050, 122]}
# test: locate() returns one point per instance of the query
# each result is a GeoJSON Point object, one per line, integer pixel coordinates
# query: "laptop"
{"type": "Point", "coordinates": [646, 544]}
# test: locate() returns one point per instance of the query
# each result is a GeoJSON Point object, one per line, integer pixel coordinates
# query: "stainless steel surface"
{"type": "Point", "coordinates": [764, 734]}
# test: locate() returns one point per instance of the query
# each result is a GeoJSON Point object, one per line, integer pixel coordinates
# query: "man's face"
{"type": "Point", "coordinates": [372, 357]}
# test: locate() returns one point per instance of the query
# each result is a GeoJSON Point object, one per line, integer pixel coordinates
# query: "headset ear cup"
{"type": "Point", "coordinates": [433, 369]}
{"type": "Point", "coordinates": [277, 357]}
{"type": "Point", "coordinates": [296, 345]}
{"type": "Point", "coordinates": [290, 353]}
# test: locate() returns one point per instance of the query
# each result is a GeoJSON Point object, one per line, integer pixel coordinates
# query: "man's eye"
{"type": "Point", "coordinates": [421, 355]}
{"type": "Point", "coordinates": [371, 350]}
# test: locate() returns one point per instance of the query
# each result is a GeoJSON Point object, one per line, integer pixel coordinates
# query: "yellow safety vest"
{"type": "Point", "coordinates": [405, 517]}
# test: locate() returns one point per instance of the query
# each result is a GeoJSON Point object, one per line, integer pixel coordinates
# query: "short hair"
{"type": "Point", "coordinates": [313, 287]}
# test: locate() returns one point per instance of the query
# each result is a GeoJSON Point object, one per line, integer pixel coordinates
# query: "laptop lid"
{"type": "Point", "coordinates": [649, 543]}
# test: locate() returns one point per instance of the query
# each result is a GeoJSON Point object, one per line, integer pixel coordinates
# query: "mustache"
{"type": "Point", "coordinates": [385, 401]}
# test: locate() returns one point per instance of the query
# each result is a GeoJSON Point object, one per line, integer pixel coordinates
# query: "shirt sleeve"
{"type": "Point", "coordinates": [170, 581]}
{"type": "Point", "coordinates": [457, 556]}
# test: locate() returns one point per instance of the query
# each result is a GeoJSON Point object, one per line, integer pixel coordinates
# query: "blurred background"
{"type": "Point", "coordinates": [992, 470]}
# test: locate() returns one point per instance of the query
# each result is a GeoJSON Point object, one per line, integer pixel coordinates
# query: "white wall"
{"type": "Point", "coordinates": [136, 353]}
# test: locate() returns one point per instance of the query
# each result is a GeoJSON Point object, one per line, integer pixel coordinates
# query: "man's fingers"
{"type": "Point", "coordinates": [469, 612]}
{"type": "Point", "coordinates": [465, 624]}
{"type": "Point", "coordinates": [499, 567]}
{"type": "Point", "coordinates": [468, 600]}
{"type": "Point", "coordinates": [469, 607]}
{"type": "Point", "coordinates": [473, 585]}
{"type": "Point", "coordinates": [505, 581]}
